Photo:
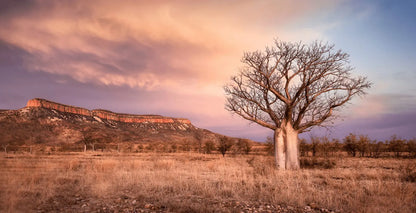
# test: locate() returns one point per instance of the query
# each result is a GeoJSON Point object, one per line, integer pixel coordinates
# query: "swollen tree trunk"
{"type": "Point", "coordinates": [292, 147]}
{"type": "Point", "coordinates": [279, 149]}
{"type": "Point", "coordinates": [286, 148]}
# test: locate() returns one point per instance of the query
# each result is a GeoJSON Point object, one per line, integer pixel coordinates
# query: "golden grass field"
{"type": "Point", "coordinates": [191, 182]}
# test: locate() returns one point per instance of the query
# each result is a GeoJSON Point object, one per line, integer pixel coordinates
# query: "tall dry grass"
{"type": "Point", "coordinates": [188, 182]}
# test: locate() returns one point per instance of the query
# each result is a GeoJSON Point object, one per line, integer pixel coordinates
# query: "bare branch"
{"type": "Point", "coordinates": [295, 82]}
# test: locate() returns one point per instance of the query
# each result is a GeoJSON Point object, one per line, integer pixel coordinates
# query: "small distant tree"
{"type": "Point", "coordinates": [4, 146]}
{"type": "Point", "coordinates": [209, 147]}
{"type": "Point", "coordinates": [86, 140]}
{"type": "Point", "coordinates": [92, 144]}
{"type": "Point", "coordinates": [351, 144]}
{"type": "Point", "coordinates": [89, 137]}
{"type": "Point", "coordinates": [186, 147]}
{"type": "Point", "coordinates": [376, 148]}
{"type": "Point", "coordinates": [396, 145]}
{"type": "Point", "coordinates": [224, 145]}
{"type": "Point", "coordinates": [303, 147]}
{"type": "Point", "coordinates": [243, 146]}
{"type": "Point", "coordinates": [363, 145]}
{"type": "Point", "coordinates": [140, 147]}
{"type": "Point", "coordinates": [325, 146]}
{"type": "Point", "coordinates": [411, 147]}
{"type": "Point", "coordinates": [336, 146]}
{"type": "Point", "coordinates": [315, 145]}
{"type": "Point", "coordinates": [118, 147]}
{"type": "Point", "coordinates": [199, 138]}
{"type": "Point", "coordinates": [174, 148]}
{"type": "Point", "coordinates": [269, 145]}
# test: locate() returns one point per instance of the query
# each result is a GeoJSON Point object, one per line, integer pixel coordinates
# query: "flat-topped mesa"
{"type": "Point", "coordinates": [37, 102]}
{"type": "Point", "coordinates": [104, 114]}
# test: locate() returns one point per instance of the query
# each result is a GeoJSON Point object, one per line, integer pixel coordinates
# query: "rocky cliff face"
{"type": "Point", "coordinates": [105, 114]}
{"type": "Point", "coordinates": [48, 122]}
{"type": "Point", "coordinates": [45, 122]}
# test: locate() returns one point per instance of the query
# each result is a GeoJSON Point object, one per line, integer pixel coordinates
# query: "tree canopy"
{"type": "Point", "coordinates": [293, 82]}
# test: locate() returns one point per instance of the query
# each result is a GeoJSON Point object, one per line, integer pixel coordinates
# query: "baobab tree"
{"type": "Point", "coordinates": [290, 88]}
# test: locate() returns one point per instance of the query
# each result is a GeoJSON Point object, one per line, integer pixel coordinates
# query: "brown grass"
{"type": "Point", "coordinates": [188, 182]}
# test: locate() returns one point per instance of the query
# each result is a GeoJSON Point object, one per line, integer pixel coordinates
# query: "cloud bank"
{"type": "Point", "coordinates": [141, 44]}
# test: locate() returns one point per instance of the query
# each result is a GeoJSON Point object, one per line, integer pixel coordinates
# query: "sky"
{"type": "Point", "coordinates": [173, 57]}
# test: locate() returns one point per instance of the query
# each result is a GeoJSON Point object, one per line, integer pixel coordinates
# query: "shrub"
{"type": "Point", "coordinates": [269, 145]}
{"type": "Point", "coordinates": [408, 172]}
{"type": "Point", "coordinates": [316, 163]}
{"type": "Point", "coordinates": [396, 145]}
{"type": "Point", "coordinates": [243, 146]}
{"type": "Point", "coordinates": [224, 145]}
{"type": "Point", "coordinates": [411, 148]}
{"type": "Point", "coordinates": [209, 147]}
{"type": "Point", "coordinates": [351, 144]}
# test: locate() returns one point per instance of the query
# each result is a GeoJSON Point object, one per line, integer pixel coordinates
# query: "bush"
{"type": "Point", "coordinates": [269, 145]}
{"type": "Point", "coordinates": [408, 172]}
{"type": "Point", "coordinates": [209, 147]}
{"type": "Point", "coordinates": [224, 145]}
{"type": "Point", "coordinates": [316, 163]}
{"type": "Point", "coordinates": [396, 145]}
{"type": "Point", "coordinates": [351, 144]}
{"type": "Point", "coordinates": [243, 146]}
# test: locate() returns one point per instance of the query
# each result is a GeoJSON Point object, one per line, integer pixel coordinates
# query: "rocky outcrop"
{"type": "Point", "coordinates": [37, 102]}
{"type": "Point", "coordinates": [105, 114]}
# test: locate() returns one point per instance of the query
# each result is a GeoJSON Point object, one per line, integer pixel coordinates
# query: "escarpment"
{"type": "Point", "coordinates": [50, 123]}
{"type": "Point", "coordinates": [105, 114]}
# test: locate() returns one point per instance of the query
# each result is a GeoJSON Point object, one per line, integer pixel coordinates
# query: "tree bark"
{"type": "Point", "coordinates": [280, 150]}
{"type": "Point", "coordinates": [286, 147]}
{"type": "Point", "coordinates": [292, 147]}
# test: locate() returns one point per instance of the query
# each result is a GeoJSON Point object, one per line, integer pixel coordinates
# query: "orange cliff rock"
{"type": "Point", "coordinates": [104, 114]}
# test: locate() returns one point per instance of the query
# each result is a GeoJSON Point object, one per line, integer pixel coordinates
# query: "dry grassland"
{"type": "Point", "coordinates": [187, 182]}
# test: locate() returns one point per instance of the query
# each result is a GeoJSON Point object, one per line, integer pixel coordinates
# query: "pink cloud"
{"type": "Point", "coordinates": [150, 45]}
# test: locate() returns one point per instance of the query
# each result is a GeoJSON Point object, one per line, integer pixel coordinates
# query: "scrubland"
{"type": "Point", "coordinates": [191, 182]}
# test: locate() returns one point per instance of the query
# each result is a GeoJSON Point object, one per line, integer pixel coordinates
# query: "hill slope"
{"type": "Point", "coordinates": [49, 123]}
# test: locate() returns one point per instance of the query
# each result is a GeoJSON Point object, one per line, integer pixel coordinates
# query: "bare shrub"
{"type": "Point", "coordinates": [304, 147]}
{"type": "Point", "coordinates": [411, 148]}
{"type": "Point", "coordinates": [396, 145]}
{"type": "Point", "coordinates": [243, 146]}
{"type": "Point", "coordinates": [269, 145]}
{"type": "Point", "coordinates": [316, 145]}
{"type": "Point", "coordinates": [224, 145]}
{"type": "Point", "coordinates": [376, 149]}
{"type": "Point", "coordinates": [351, 144]}
{"type": "Point", "coordinates": [363, 145]}
{"type": "Point", "coordinates": [209, 147]}
{"type": "Point", "coordinates": [408, 172]}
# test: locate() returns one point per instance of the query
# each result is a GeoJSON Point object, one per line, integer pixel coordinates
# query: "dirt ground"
{"type": "Point", "coordinates": [191, 182]}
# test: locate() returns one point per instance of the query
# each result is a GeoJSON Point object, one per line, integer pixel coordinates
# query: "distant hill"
{"type": "Point", "coordinates": [44, 122]}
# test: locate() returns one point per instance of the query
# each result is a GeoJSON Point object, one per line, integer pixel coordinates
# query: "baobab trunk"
{"type": "Point", "coordinates": [292, 147]}
{"type": "Point", "coordinates": [279, 149]}
{"type": "Point", "coordinates": [286, 147]}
